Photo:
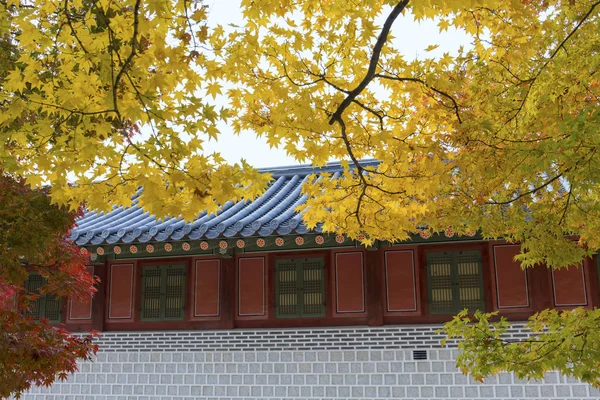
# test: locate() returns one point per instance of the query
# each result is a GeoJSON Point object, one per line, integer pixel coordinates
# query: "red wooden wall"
{"type": "Point", "coordinates": [385, 286]}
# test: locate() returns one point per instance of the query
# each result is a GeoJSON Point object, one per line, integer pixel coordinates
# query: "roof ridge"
{"type": "Point", "coordinates": [304, 169]}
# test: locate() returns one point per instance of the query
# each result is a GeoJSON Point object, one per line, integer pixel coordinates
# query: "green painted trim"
{"type": "Point", "coordinates": [432, 309]}
{"type": "Point", "coordinates": [163, 292]}
{"type": "Point", "coordinates": [182, 272]}
{"type": "Point", "coordinates": [143, 310]}
{"type": "Point", "coordinates": [214, 248]}
{"type": "Point", "coordinates": [298, 262]}
{"type": "Point", "coordinates": [322, 281]}
{"type": "Point", "coordinates": [49, 299]}
{"type": "Point", "coordinates": [278, 314]}
{"type": "Point", "coordinates": [43, 300]}
{"type": "Point", "coordinates": [251, 246]}
{"type": "Point", "coordinates": [454, 281]}
{"type": "Point", "coordinates": [162, 253]}
{"type": "Point", "coordinates": [439, 238]}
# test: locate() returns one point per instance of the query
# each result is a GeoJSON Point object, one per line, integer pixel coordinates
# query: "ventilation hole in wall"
{"type": "Point", "coordinates": [419, 354]}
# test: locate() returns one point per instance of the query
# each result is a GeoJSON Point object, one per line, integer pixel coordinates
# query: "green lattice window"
{"type": "Point", "coordinates": [46, 305]}
{"type": "Point", "coordinates": [163, 293]}
{"type": "Point", "coordinates": [455, 282]}
{"type": "Point", "coordinates": [300, 288]}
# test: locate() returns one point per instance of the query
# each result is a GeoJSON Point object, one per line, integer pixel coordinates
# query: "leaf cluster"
{"type": "Point", "coordinates": [563, 341]}
{"type": "Point", "coordinates": [34, 353]}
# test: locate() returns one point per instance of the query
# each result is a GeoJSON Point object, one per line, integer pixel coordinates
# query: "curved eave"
{"type": "Point", "coordinates": [274, 213]}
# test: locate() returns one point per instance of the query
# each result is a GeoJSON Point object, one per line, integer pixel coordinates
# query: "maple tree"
{"type": "Point", "coordinates": [500, 137]}
{"type": "Point", "coordinates": [564, 341]}
{"type": "Point", "coordinates": [33, 240]}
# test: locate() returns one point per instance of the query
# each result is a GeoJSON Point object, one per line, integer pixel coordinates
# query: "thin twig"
{"type": "Point", "coordinates": [422, 82]}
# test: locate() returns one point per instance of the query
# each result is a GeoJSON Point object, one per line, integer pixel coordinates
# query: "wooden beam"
{"type": "Point", "coordinates": [594, 284]}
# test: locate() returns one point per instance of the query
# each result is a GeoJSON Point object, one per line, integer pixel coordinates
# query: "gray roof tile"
{"type": "Point", "coordinates": [274, 213]}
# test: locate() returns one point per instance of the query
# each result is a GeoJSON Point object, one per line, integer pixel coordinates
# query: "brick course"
{"type": "Point", "coordinates": [350, 339]}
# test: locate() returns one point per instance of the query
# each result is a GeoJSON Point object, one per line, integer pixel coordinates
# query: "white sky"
{"type": "Point", "coordinates": [411, 38]}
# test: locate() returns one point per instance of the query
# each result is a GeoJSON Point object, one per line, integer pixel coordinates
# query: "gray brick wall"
{"type": "Point", "coordinates": [342, 371]}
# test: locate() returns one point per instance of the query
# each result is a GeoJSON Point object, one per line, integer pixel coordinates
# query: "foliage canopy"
{"type": "Point", "coordinates": [33, 240]}
{"type": "Point", "coordinates": [501, 137]}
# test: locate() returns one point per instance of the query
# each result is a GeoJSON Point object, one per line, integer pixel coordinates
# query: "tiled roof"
{"type": "Point", "coordinates": [271, 214]}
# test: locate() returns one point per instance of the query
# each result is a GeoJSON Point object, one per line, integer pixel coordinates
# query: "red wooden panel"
{"type": "Point", "coordinates": [120, 299]}
{"type": "Point", "coordinates": [80, 310]}
{"type": "Point", "coordinates": [349, 283]}
{"type": "Point", "coordinates": [568, 285]}
{"type": "Point", "coordinates": [511, 280]}
{"type": "Point", "coordinates": [400, 281]}
{"type": "Point", "coordinates": [206, 288]}
{"type": "Point", "coordinates": [251, 286]}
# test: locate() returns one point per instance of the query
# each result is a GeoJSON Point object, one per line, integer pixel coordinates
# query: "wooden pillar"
{"type": "Point", "coordinates": [594, 285]}
{"type": "Point", "coordinates": [374, 287]}
{"type": "Point", "coordinates": [228, 288]}
{"type": "Point", "coordinates": [541, 296]}
{"type": "Point", "coordinates": [487, 266]}
{"type": "Point", "coordinates": [99, 300]}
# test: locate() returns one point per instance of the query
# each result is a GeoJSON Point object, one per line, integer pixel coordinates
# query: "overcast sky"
{"type": "Point", "coordinates": [412, 38]}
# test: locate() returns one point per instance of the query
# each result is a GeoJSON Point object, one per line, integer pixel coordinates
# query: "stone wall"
{"type": "Point", "coordinates": [326, 363]}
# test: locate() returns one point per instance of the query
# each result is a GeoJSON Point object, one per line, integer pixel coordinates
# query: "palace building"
{"type": "Point", "coordinates": [250, 304]}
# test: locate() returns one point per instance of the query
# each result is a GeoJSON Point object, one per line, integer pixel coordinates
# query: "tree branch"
{"type": "Point", "coordinates": [351, 97]}
{"type": "Point", "coordinates": [70, 23]}
{"type": "Point", "coordinates": [383, 35]}
{"type": "Point", "coordinates": [527, 193]}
